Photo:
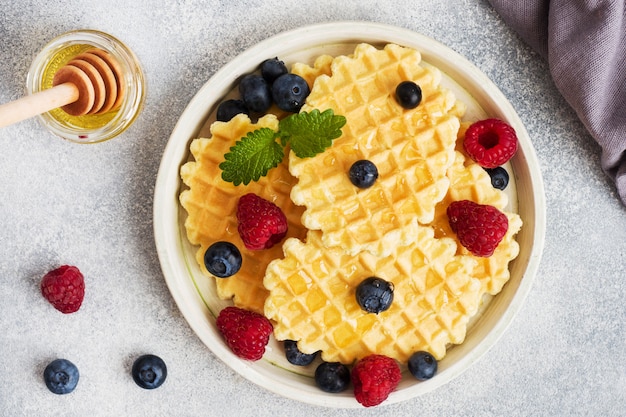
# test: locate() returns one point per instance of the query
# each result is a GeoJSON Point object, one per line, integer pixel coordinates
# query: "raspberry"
{"type": "Point", "coordinates": [245, 332]}
{"type": "Point", "coordinates": [64, 288]}
{"type": "Point", "coordinates": [479, 227]}
{"type": "Point", "coordinates": [490, 142]}
{"type": "Point", "coordinates": [262, 223]}
{"type": "Point", "coordinates": [374, 378]}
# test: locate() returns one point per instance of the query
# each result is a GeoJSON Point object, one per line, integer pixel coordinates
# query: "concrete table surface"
{"type": "Point", "coordinates": [563, 355]}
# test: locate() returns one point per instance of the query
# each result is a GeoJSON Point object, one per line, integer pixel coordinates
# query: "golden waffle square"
{"type": "Point", "coordinates": [211, 205]}
{"type": "Point", "coordinates": [469, 181]}
{"type": "Point", "coordinates": [412, 150]}
{"type": "Point", "coordinates": [312, 298]}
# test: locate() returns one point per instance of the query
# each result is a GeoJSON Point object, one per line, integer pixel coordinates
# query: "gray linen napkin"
{"type": "Point", "coordinates": [584, 43]}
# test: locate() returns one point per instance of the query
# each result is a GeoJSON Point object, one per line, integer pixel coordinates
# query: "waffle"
{"type": "Point", "coordinates": [412, 150]}
{"type": "Point", "coordinates": [321, 66]}
{"type": "Point", "coordinates": [211, 204]}
{"type": "Point", "coordinates": [469, 181]}
{"type": "Point", "coordinates": [312, 298]}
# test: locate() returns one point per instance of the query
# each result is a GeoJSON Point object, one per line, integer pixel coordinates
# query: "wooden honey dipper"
{"type": "Point", "coordinates": [90, 83]}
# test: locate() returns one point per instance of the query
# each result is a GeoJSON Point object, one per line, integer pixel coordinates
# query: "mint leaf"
{"type": "Point", "coordinates": [310, 133]}
{"type": "Point", "coordinates": [259, 151]}
{"type": "Point", "coordinates": [252, 157]}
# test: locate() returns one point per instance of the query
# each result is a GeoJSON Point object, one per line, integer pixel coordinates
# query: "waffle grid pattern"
{"type": "Point", "coordinates": [312, 298]}
{"type": "Point", "coordinates": [468, 181]}
{"type": "Point", "coordinates": [411, 148]}
{"type": "Point", "coordinates": [211, 205]}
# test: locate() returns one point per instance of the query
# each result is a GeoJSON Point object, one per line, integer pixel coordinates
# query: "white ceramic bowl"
{"type": "Point", "coordinates": [195, 294]}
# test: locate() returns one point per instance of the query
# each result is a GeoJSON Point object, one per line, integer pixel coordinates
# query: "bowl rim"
{"type": "Point", "coordinates": [166, 205]}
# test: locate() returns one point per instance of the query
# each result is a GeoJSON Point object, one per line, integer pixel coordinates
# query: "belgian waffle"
{"type": "Point", "coordinates": [312, 298]}
{"type": "Point", "coordinates": [321, 66]}
{"type": "Point", "coordinates": [469, 181]}
{"type": "Point", "coordinates": [412, 150]}
{"type": "Point", "coordinates": [211, 205]}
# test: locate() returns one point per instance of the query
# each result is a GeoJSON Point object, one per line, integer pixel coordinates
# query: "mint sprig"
{"type": "Point", "coordinates": [252, 156]}
{"type": "Point", "coordinates": [307, 134]}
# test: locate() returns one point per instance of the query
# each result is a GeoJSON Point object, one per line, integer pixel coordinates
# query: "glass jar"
{"type": "Point", "coordinates": [88, 128]}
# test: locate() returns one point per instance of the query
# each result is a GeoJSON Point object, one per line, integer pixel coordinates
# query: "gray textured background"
{"type": "Point", "coordinates": [564, 355]}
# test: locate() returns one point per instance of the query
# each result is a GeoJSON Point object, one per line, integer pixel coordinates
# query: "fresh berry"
{"type": "Point", "coordinates": [273, 68]}
{"type": "Point", "coordinates": [255, 93]}
{"type": "Point", "coordinates": [422, 365]}
{"type": "Point", "coordinates": [61, 376]}
{"type": "Point", "coordinates": [499, 177]}
{"type": "Point", "coordinates": [363, 173]}
{"type": "Point", "coordinates": [245, 332]}
{"type": "Point", "coordinates": [332, 377]}
{"type": "Point", "coordinates": [374, 378]}
{"type": "Point", "coordinates": [374, 295]}
{"type": "Point", "coordinates": [262, 223]}
{"type": "Point", "coordinates": [408, 94]}
{"type": "Point", "coordinates": [289, 92]}
{"type": "Point", "coordinates": [149, 371]}
{"type": "Point", "coordinates": [64, 288]}
{"type": "Point", "coordinates": [479, 227]}
{"type": "Point", "coordinates": [490, 142]}
{"type": "Point", "coordinates": [231, 108]}
{"type": "Point", "coordinates": [295, 356]}
{"type": "Point", "coordinates": [222, 259]}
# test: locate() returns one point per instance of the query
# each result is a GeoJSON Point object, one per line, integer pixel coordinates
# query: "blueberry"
{"type": "Point", "coordinates": [222, 259]}
{"type": "Point", "coordinates": [422, 365]}
{"type": "Point", "coordinates": [499, 177]}
{"type": "Point", "coordinates": [374, 295]}
{"type": "Point", "coordinates": [408, 94]}
{"type": "Point", "coordinates": [231, 108]}
{"type": "Point", "coordinates": [149, 371]}
{"type": "Point", "coordinates": [61, 376]}
{"type": "Point", "coordinates": [332, 377]}
{"type": "Point", "coordinates": [363, 173]}
{"type": "Point", "coordinates": [289, 92]}
{"type": "Point", "coordinates": [273, 68]}
{"type": "Point", "coordinates": [295, 357]}
{"type": "Point", "coordinates": [255, 93]}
